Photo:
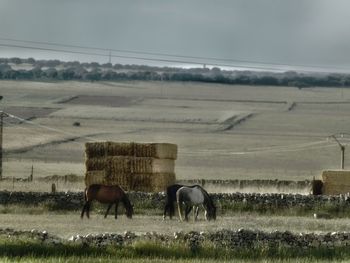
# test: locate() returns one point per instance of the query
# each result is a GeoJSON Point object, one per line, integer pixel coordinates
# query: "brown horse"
{"type": "Point", "coordinates": [106, 195]}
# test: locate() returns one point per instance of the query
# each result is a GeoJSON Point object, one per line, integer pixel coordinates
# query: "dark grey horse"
{"type": "Point", "coordinates": [170, 200]}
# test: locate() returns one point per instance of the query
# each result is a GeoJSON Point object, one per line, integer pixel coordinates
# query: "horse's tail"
{"type": "Point", "coordinates": [171, 198]}
{"type": "Point", "coordinates": [179, 201]}
{"type": "Point", "coordinates": [169, 205]}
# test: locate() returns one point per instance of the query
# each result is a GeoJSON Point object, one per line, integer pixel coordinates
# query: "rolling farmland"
{"type": "Point", "coordinates": [223, 131]}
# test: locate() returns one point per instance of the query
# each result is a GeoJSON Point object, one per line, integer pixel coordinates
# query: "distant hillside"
{"type": "Point", "coordinates": [31, 69]}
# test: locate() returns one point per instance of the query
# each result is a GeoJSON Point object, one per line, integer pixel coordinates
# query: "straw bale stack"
{"type": "Point", "coordinates": [134, 166]}
{"type": "Point", "coordinates": [336, 182]}
{"type": "Point", "coordinates": [156, 150]}
{"type": "Point", "coordinates": [156, 182]}
{"type": "Point", "coordinates": [127, 164]}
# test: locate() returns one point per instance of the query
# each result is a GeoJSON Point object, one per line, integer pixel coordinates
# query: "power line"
{"type": "Point", "coordinates": [140, 52]}
{"type": "Point", "coordinates": [136, 57]}
{"type": "Point", "coordinates": [241, 153]}
{"type": "Point", "coordinates": [205, 59]}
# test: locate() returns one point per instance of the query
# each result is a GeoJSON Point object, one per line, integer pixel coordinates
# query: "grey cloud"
{"type": "Point", "coordinates": [302, 32]}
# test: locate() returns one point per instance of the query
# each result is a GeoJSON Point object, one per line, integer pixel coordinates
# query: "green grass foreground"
{"type": "Point", "coordinates": [27, 250]}
{"type": "Point", "coordinates": [153, 260]}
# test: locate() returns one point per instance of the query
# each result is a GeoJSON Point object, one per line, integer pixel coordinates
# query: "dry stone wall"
{"type": "Point", "coordinates": [229, 239]}
{"type": "Point", "coordinates": [75, 200]}
{"type": "Point", "coordinates": [257, 186]}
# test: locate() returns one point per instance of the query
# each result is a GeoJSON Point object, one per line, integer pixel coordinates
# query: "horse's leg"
{"type": "Point", "coordinates": [116, 209]}
{"type": "Point", "coordinates": [196, 213]}
{"type": "Point", "coordinates": [88, 206]}
{"type": "Point", "coordinates": [83, 211]}
{"type": "Point", "coordinates": [108, 208]}
{"type": "Point", "coordinates": [188, 209]}
{"type": "Point", "coordinates": [166, 208]}
{"type": "Point", "coordinates": [205, 213]}
{"type": "Point", "coordinates": [171, 209]}
{"type": "Point", "coordinates": [179, 208]}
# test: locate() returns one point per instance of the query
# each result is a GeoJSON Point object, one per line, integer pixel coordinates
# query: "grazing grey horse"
{"type": "Point", "coordinates": [193, 197]}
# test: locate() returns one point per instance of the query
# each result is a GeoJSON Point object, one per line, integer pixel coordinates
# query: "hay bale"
{"type": "Point", "coordinates": [336, 182]}
{"type": "Point", "coordinates": [161, 181]}
{"type": "Point", "coordinates": [156, 150]}
{"type": "Point", "coordinates": [329, 189]}
{"type": "Point", "coordinates": [95, 177]}
{"type": "Point", "coordinates": [126, 164]}
{"type": "Point", "coordinates": [95, 149]}
{"type": "Point", "coordinates": [94, 164]}
{"type": "Point", "coordinates": [156, 182]}
{"type": "Point", "coordinates": [145, 182]}
{"type": "Point", "coordinates": [106, 178]}
{"type": "Point", "coordinates": [134, 166]}
{"type": "Point", "coordinates": [152, 165]}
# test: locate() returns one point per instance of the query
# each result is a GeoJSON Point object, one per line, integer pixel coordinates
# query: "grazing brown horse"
{"type": "Point", "coordinates": [107, 195]}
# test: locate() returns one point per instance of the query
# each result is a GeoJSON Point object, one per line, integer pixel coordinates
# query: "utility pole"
{"type": "Point", "coordinates": [342, 149]}
{"type": "Point", "coordinates": [2, 115]}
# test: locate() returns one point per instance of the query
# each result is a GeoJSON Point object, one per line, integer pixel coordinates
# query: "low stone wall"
{"type": "Point", "coordinates": [228, 239]}
{"type": "Point", "coordinates": [75, 200]}
{"type": "Point", "coordinates": [253, 186]}
{"type": "Point", "coordinates": [213, 186]}
{"type": "Point", "coordinates": [70, 200]}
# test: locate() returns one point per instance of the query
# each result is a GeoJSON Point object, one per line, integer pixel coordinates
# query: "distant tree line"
{"type": "Point", "coordinates": [31, 69]}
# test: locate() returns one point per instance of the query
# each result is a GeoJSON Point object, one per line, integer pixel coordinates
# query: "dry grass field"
{"type": "Point", "coordinates": [223, 131]}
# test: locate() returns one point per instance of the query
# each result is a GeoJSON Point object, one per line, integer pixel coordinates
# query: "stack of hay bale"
{"type": "Point", "coordinates": [147, 167]}
{"type": "Point", "coordinates": [336, 182]}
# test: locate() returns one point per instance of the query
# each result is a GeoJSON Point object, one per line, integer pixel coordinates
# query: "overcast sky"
{"type": "Point", "coordinates": [305, 32]}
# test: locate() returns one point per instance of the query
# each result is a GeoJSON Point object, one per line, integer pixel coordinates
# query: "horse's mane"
{"type": "Point", "coordinates": [205, 193]}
